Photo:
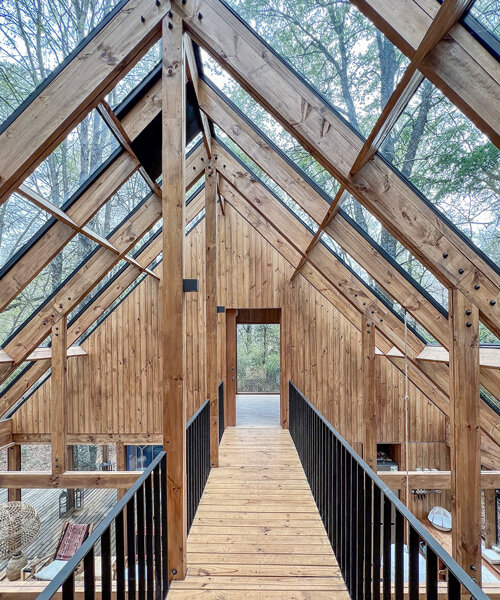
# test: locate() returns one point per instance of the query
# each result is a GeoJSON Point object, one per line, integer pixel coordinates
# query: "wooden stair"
{"type": "Point", "coordinates": [257, 533]}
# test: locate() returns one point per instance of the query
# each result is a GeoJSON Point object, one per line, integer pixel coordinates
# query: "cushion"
{"type": "Point", "coordinates": [50, 571]}
{"type": "Point", "coordinates": [72, 538]}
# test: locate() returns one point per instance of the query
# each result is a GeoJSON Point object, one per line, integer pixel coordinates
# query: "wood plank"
{"type": "Point", "coordinates": [465, 441]}
{"type": "Point", "coordinates": [242, 542]}
{"type": "Point", "coordinates": [68, 479]}
{"type": "Point", "coordinates": [441, 480]}
{"type": "Point", "coordinates": [14, 464]}
{"type": "Point", "coordinates": [76, 89]}
{"type": "Point", "coordinates": [173, 298]}
{"type": "Point", "coordinates": [212, 378]}
{"type": "Point", "coordinates": [488, 357]}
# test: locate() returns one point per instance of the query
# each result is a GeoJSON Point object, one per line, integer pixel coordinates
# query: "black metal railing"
{"type": "Point", "coordinates": [197, 458]}
{"type": "Point", "coordinates": [130, 543]}
{"type": "Point", "coordinates": [221, 410]}
{"type": "Point", "coordinates": [366, 523]}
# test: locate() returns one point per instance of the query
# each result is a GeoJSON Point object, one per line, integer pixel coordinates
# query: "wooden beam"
{"type": "Point", "coordinates": [335, 146]}
{"type": "Point", "coordinates": [369, 392]}
{"type": "Point", "coordinates": [174, 310]}
{"type": "Point", "coordinates": [92, 312]}
{"type": "Point", "coordinates": [193, 76]}
{"type": "Point", "coordinates": [448, 14]}
{"type": "Point", "coordinates": [458, 65]}
{"type": "Point", "coordinates": [439, 480]}
{"type": "Point", "coordinates": [59, 400]}
{"type": "Point", "coordinates": [330, 213]}
{"type": "Point", "coordinates": [489, 358]}
{"type": "Point", "coordinates": [212, 379]}
{"type": "Point", "coordinates": [69, 479]}
{"type": "Point", "coordinates": [231, 364]}
{"type": "Point", "coordinates": [465, 434]}
{"type": "Point", "coordinates": [5, 432]}
{"type": "Point", "coordinates": [14, 464]}
{"type": "Point", "coordinates": [490, 518]}
{"type": "Point", "coordinates": [76, 89]}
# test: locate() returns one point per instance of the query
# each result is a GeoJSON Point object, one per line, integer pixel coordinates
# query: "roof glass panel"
{"type": "Point", "coordinates": [135, 76]}
{"type": "Point", "coordinates": [487, 13]}
{"type": "Point", "coordinates": [20, 220]}
{"type": "Point", "coordinates": [76, 158]}
{"type": "Point", "coordinates": [35, 38]}
{"type": "Point", "coordinates": [266, 123]}
{"type": "Point", "coordinates": [44, 286]}
{"type": "Point", "coordinates": [452, 164]}
{"type": "Point", "coordinates": [335, 48]}
{"type": "Point", "coordinates": [119, 206]}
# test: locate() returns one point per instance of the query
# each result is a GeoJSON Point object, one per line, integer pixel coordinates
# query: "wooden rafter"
{"type": "Point", "coordinates": [330, 213]}
{"type": "Point", "coordinates": [448, 14]}
{"type": "Point", "coordinates": [489, 358]}
{"type": "Point", "coordinates": [56, 212]}
{"type": "Point", "coordinates": [45, 353]}
{"type": "Point", "coordinates": [434, 380]}
{"type": "Point", "coordinates": [193, 76]}
{"type": "Point", "coordinates": [458, 65]}
{"type": "Point", "coordinates": [91, 313]}
{"type": "Point", "coordinates": [76, 89]}
{"type": "Point", "coordinates": [335, 146]}
{"type": "Point", "coordinates": [82, 282]}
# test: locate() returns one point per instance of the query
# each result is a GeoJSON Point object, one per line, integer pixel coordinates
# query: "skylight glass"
{"type": "Point", "coordinates": [76, 158]}
{"type": "Point", "coordinates": [452, 163]}
{"type": "Point", "coordinates": [35, 39]}
{"type": "Point", "coordinates": [19, 221]}
{"type": "Point", "coordinates": [268, 125]}
{"type": "Point", "coordinates": [335, 48]}
{"type": "Point", "coordinates": [119, 206]}
{"type": "Point", "coordinates": [44, 285]}
{"type": "Point", "coordinates": [487, 12]}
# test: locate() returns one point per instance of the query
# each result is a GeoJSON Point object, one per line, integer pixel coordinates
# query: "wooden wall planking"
{"type": "Point", "coordinates": [115, 389]}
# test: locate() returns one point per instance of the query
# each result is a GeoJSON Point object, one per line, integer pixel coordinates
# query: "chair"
{"type": "Point", "coordinates": [72, 537]}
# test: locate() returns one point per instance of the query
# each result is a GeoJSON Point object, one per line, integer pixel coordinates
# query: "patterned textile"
{"type": "Point", "coordinates": [72, 538]}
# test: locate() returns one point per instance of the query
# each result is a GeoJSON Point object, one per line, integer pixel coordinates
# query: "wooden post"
{"type": "Point", "coordinates": [14, 464]}
{"type": "Point", "coordinates": [464, 428]}
{"type": "Point", "coordinates": [211, 308]}
{"type": "Point", "coordinates": [173, 303]}
{"type": "Point", "coordinates": [121, 465]}
{"type": "Point", "coordinates": [285, 358]}
{"type": "Point", "coordinates": [231, 366]}
{"type": "Point", "coordinates": [59, 400]}
{"type": "Point", "coordinates": [490, 518]}
{"type": "Point", "coordinates": [369, 392]}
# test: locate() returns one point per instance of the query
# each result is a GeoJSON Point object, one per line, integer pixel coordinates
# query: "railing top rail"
{"type": "Point", "coordinates": [193, 418]}
{"type": "Point", "coordinates": [53, 587]}
{"type": "Point", "coordinates": [430, 541]}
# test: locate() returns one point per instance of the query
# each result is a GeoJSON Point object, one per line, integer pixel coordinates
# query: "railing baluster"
{"type": "Point", "coordinates": [157, 530]}
{"type": "Point", "coordinates": [106, 574]}
{"type": "Point", "coordinates": [453, 587]}
{"type": "Point", "coordinates": [431, 574]}
{"type": "Point", "coordinates": [369, 527]}
{"type": "Point", "coordinates": [386, 549]}
{"type": "Point", "coordinates": [164, 538]}
{"type": "Point", "coordinates": [148, 497]}
{"type": "Point", "coordinates": [399, 556]}
{"type": "Point", "coordinates": [131, 552]}
{"type": "Point", "coordinates": [360, 532]}
{"type": "Point", "coordinates": [68, 587]}
{"type": "Point", "coordinates": [141, 547]}
{"type": "Point", "coordinates": [413, 554]}
{"type": "Point", "coordinates": [120, 556]}
{"type": "Point", "coordinates": [89, 575]}
{"type": "Point", "coordinates": [377, 523]}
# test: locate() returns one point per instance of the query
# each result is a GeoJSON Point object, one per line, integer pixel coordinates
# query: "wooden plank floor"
{"type": "Point", "coordinates": [257, 533]}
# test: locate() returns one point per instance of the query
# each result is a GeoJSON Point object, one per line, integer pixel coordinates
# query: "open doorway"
{"type": "Point", "coordinates": [253, 367]}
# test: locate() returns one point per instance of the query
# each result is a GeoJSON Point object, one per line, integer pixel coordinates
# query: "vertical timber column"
{"type": "Point", "coordinates": [14, 464]}
{"type": "Point", "coordinates": [58, 406]}
{"type": "Point", "coordinates": [174, 310]}
{"type": "Point", "coordinates": [211, 308]}
{"type": "Point", "coordinates": [369, 392]}
{"type": "Point", "coordinates": [231, 366]}
{"type": "Point", "coordinates": [464, 424]}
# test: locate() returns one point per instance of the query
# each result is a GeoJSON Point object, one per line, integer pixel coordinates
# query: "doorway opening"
{"type": "Point", "coordinates": [258, 375]}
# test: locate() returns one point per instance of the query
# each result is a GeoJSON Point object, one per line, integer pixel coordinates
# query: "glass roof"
{"type": "Point", "coordinates": [334, 47]}
{"type": "Point", "coordinates": [487, 13]}
{"type": "Point", "coordinates": [37, 37]}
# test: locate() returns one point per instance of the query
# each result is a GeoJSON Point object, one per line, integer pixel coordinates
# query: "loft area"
{"type": "Point", "coordinates": [267, 237]}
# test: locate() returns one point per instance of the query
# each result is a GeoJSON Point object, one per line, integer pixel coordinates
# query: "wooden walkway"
{"type": "Point", "coordinates": [257, 533]}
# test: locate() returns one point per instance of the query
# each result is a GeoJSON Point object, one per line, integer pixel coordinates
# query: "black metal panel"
{"type": "Point", "coordinates": [220, 392]}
